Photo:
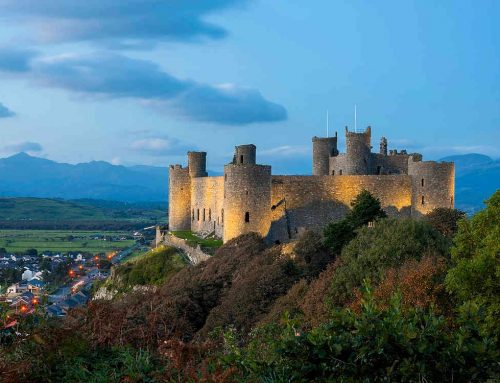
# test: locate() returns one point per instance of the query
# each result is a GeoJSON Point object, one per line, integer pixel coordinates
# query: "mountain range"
{"type": "Point", "coordinates": [22, 175]}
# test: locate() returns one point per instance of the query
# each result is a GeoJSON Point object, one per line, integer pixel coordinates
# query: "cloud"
{"type": "Point", "coordinates": [15, 59]}
{"type": "Point", "coordinates": [26, 146]}
{"type": "Point", "coordinates": [159, 146]}
{"type": "Point", "coordinates": [5, 112]}
{"type": "Point", "coordinates": [122, 20]}
{"type": "Point", "coordinates": [117, 76]}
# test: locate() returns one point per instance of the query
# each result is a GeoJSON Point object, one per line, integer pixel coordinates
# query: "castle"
{"type": "Point", "coordinates": [249, 198]}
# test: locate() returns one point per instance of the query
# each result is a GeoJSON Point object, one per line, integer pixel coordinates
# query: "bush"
{"type": "Point", "coordinates": [376, 345]}
{"type": "Point", "coordinates": [475, 275]}
{"type": "Point", "coordinates": [365, 208]}
{"type": "Point", "coordinates": [375, 249]}
{"type": "Point", "coordinates": [445, 220]}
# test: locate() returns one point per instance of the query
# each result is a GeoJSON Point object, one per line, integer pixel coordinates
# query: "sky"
{"type": "Point", "coordinates": [144, 81]}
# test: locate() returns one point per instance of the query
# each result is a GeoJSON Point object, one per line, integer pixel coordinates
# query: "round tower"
{"type": "Point", "coordinates": [358, 152]}
{"type": "Point", "coordinates": [433, 185]}
{"type": "Point", "coordinates": [197, 164]}
{"type": "Point", "coordinates": [245, 154]}
{"type": "Point", "coordinates": [323, 149]}
{"type": "Point", "coordinates": [179, 198]}
{"type": "Point", "coordinates": [247, 199]}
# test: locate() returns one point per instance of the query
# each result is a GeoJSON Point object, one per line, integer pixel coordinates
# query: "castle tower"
{"type": "Point", "coordinates": [247, 195]}
{"type": "Point", "coordinates": [323, 149]}
{"type": "Point", "coordinates": [179, 198]}
{"type": "Point", "coordinates": [197, 163]}
{"type": "Point", "coordinates": [358, 152]}
{"type": "Point", "coordinates": [245, 154]}
{"type": "Point", "coordinates": [433, 185]}
{"type": "Point", "coordinates": [383, 146]}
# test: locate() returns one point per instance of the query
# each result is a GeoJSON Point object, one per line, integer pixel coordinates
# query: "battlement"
{"type": "Point", "coordinates": [249, 198]}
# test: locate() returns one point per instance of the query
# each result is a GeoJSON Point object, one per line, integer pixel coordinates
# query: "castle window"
{"type": "Point", "coordinates": [451, 201]}
{"type": "Point", "coordinates": [225, 177]}
{"type": "Point", "coordinates": [340, 172]}
{"type": "Point", "coordinates": [379, 169]}
{"type": "Point", "coordinates": [222, 216]}
{"type": "Point", "coordinates": [333, 172]}
{"type": "Point", "coordinates": [247, 217]}
{"type": "Point", "coordinates": [423, 200]}
{"type": "Point", "coordinates": [192, 217]}
{"type": "Point", "coordinates": [209, 214]}
{"type": "Point", "coordinates": [246, 192]}
{"type": "Point", "coordinates": [198, 214]}
{"type": "Point", "coordinates": [203, 215]}
{"type": "Point", "coordinates": [241, 159]}
{"type": "Point", "coordinates": [422, 182]}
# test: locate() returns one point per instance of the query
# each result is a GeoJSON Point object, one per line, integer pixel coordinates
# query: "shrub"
{"type": "Point", "coordinates": [445, 220]}
{"type": "Point", "coordinates": [389, 244]}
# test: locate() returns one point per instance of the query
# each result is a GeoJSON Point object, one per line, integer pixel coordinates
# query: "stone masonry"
{"type": "Point", "coordinates": [249, 198]}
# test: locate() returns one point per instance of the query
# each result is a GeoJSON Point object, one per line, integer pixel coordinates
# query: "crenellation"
{"type": "Point", "coordinates": [248, 198]}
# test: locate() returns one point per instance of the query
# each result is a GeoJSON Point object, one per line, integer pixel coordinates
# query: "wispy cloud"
{"type": "Point", "coordinates": [5, 112]}
{"type": "Point", "coordinates": [116, 76]}
{"type": "Point", "coordinates": [128, 22]}
{"type": "Point", "coordinates": [25, 146]}
{"type": "Point", "coordinates": [159, 146]}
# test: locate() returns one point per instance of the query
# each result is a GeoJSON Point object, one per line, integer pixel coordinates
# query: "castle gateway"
{"type": "Point", "coordinates": [249, 198]}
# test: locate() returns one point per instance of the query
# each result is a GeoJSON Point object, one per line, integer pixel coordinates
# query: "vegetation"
{"type": "Point", "coordinates": [57, 214]}
{"type": "Point", "coordinates": [193, 240]}
{"type": "Point", "coordinates": [401, 301]}
{"type": "Point", "coordinates": [365, 208]}
{"type": "Point", "coordinates": [20, 241]}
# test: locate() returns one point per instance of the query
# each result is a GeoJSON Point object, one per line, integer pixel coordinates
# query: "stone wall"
{"type": "Point", "coordinates": [433, 185]}
{"type": "Point", "coordinates": [247, 199]}
{"type": "Point", "coordinates": [312, 201]}
{"type": "Point", "coordinates": [179, 197]}
{"type": "Point", "coordinates": [207, 197]}
{"type": "Point", "coordinates": [195, 255]}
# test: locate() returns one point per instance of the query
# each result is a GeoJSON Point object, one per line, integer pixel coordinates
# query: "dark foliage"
{"type": "Point", "coordinates": [445, 220]}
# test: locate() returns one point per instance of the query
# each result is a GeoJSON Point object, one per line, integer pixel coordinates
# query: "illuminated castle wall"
{"type": "Point", "coordinates": [248, 198]}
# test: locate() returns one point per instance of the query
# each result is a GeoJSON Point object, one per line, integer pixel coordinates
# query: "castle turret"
{"type": "Point", "coordinates": [358, 152]}
{"type": "Point", "coordinates": [179, 198]}
{"type": "Point", "coordinates": [197, 163]}
{"type": "Point", "coordinates": [433, 185]}
{"type": "Point", "coordinates": [247, 195]}
{"type": "Point", "coordinates": [245, 154]}
{"type": "Point", "coordinates": [323, 149]}
{"type": "Point", "coordinates": [383, 146]}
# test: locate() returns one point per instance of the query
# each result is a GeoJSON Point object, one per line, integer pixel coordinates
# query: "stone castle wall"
{"type": "Point", "coordinates": [247, 197]}
{"type": "Point", "coordinates": [312, 202]}
{"type": "Point", "coordinates": [179, 196]}
{"type": "Point", "coordinates": [207, 196]}
{"type": "Point", "coordinates": [433, 185]}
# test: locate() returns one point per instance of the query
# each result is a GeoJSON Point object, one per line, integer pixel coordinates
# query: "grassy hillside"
{"type": "Point", "coordinates": [41, 213]}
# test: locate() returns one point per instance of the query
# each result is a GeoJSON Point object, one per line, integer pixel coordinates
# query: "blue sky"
{"type": "Point", "coordinates": [143, 81]}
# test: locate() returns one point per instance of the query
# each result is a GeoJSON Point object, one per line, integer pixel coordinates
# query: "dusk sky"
{"type": "Point", "coordinates": [143, 81]}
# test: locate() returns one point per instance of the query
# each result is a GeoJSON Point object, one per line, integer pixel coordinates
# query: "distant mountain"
{"type": "Point", "coordinates": [477, 178]}
{"type": "Point", "coordinates": [25, 176]}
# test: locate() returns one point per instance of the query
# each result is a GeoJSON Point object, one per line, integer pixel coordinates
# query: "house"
{"type": "Point", "coordinates": [36, 286]}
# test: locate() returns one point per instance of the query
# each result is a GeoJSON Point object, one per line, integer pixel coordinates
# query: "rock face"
{"type": "Point", "coordinates": [249, 198]}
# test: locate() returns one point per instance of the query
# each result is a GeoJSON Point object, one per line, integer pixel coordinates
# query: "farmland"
{"type": "Point", "coordinates": [19, 241]}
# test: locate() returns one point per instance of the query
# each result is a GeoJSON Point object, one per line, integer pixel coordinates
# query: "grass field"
{"type": "Point", "coordinates": [193, 240]}
{"type": "Point", "coordinates": [18, 241]}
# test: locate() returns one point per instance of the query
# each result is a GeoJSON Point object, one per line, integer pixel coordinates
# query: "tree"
{"type": "Point", "coordinates": [376, 345]}
{"type": "Point", "coordinates": [475, 275]}
{"type": "Point", "coordinates": [445, 220]}
{"type": "Point", "coordinates": [375, 249]}
{"type": "Point", "coordinates": [365, 208]}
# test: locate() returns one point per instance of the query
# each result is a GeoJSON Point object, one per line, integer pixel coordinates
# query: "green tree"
{"type": "Point", "coordinates": [365, 208]}
{"type": "Point", "coordinates": [475, 275]}
{"type": "Point", "coordinates": [376, 345]}
{"type": "Point", "coordinates": [389, 244]}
